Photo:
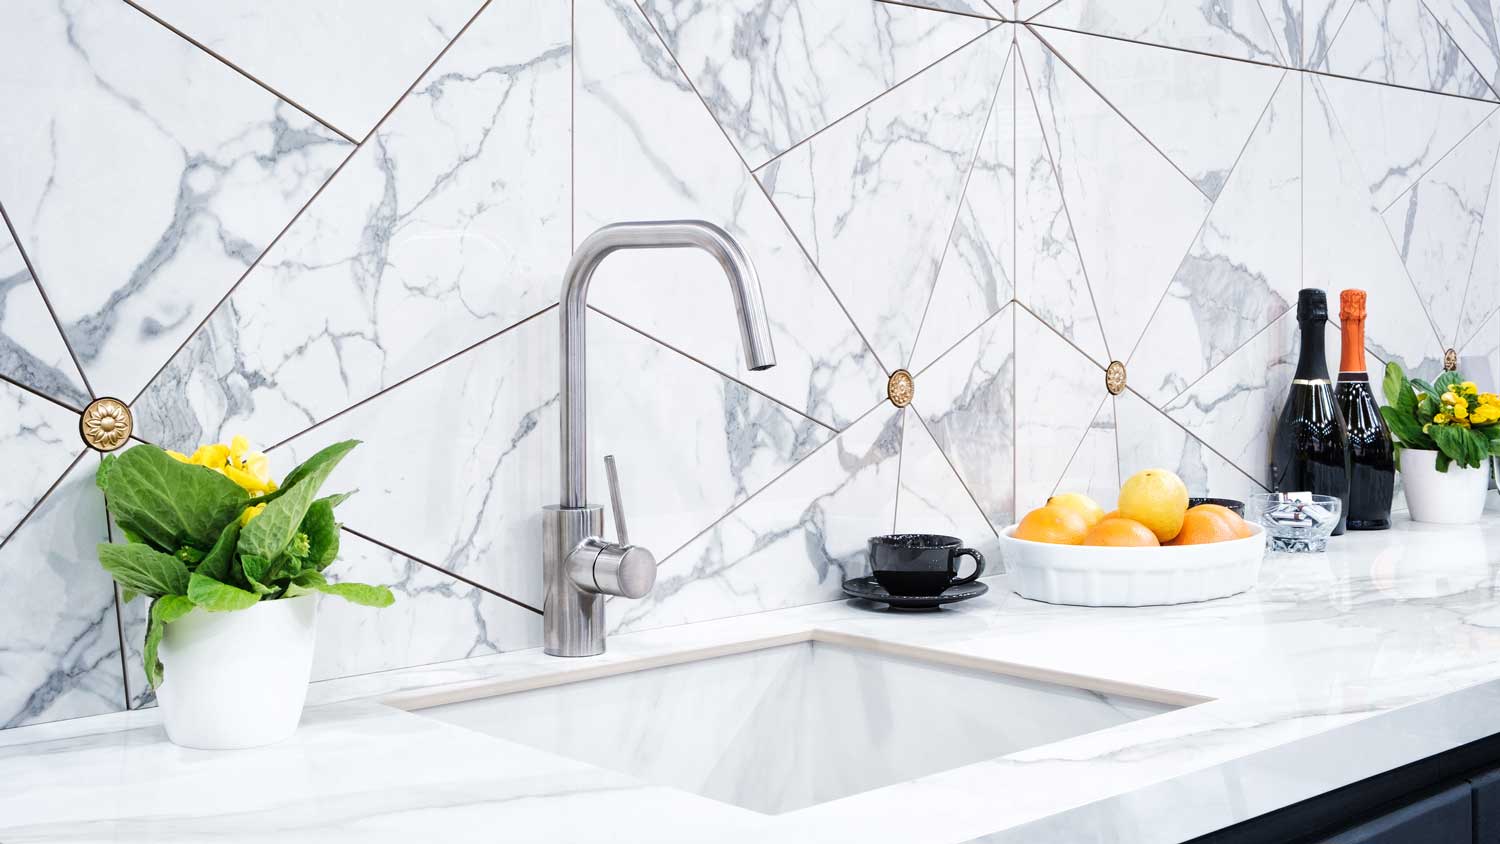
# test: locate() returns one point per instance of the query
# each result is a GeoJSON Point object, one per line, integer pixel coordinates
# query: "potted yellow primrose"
{"type": "Point", "coordinates": [1445, 432]}
{"type": "Point", "coordinates": [233, 564]}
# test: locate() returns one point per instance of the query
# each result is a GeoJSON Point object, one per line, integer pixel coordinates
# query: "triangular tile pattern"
{"type": "Point", "coordinates": [793, 543]}
{"type": "Point", "coordinates": [932, 499]}
{"type": "Point", "coordinates": [61, 657]}
{"type": "Point", "coordinates": [809, 63]}
{"type": "Point", "coordinates": [1245, 268]}
{"type": "Point", "coordinates": [1438, 221]}
{"type": "Point", "coordinates": [40, 440]}
{"type": "Point", "coordinates": [1198, 110]}
{"type": "Point", "coordinates": [1149, 439]}
{"type": "Point", "coordinates": [977, 277]}
{"type": "Point", "coordinates": [690, 445]}
{"type": "Point", "coordinates": [1094, 469]}
{"type": "Point", "coordinates": [305, 52]}
{"type": "Point", "coordinates": [967, 398]}
{"type": "Point", "coordinates": [874, 196]}
{"type": "Point", "coordinates": [139, 198]}
{"type": "Point", "coordinates": [1234, 28]}
{"type": "Point", "coordinates": [1395, 135]}
{"type": "Point", "coordinates": [436, 618]}
{"type": "Point", "coordinates": [1403, 44]}
{"type": "Point", "coordinates": [1285, 19]}
{"type": "Point", "coordinates": [1321, 22]}
{"type": "Point", "coordinates": [1345, 240]}
{"type": "Point", "coordinates": [1482, 293]}
{"type": "Point", "coordinates": [1133, 213]}
{"type": "Point", "coordinates": [1060, 391]}
{"type": "Point", "coordinates": [32, 352]}
{"type": "Point", "coordinates": [449, 225]}
{"type": "Point", "coordinates": [1051, 281]}
{"type": "Point", "coordinates": [647, 149]}
{"type": "Point", "coordinates": [1471, 25]}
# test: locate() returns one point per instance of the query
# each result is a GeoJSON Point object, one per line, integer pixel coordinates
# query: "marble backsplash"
{"type": "Point", "coordinates": [274, 221]}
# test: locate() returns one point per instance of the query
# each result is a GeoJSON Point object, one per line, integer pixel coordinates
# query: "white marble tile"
{"type": "Point", "coordinates": [986, 8]}
{"type": "Point", "coordinates": [1481, 297]}
{"type": "Point", "coordinates": [457, 463]}
{"type": "Point", "coordinates": [61, 657]}
{"type": "Point", "coordinates": [1050, 277]}
{"type": "Point", "coordinates": [932, 498]}
{"type": "Point", "coordinates": [346, 63]}
{"type": "Point", "coordinates": [1133, 214]}
{"type": "Point", "coordinates": [450, 224]}
{"type": "Point", "coordinates": [1198, 110]}
{"type": "Point", "coordinates": [1393, 134]}
{"type": "Point", "coordinates": [1437, 222]}
{"type": "Point", "coordinates": [1245, 268]}
{"type": "Point", "coordinates": [40, 439]}
{"type": "Point", "coordinates": [1401, 43]}
{"type": "Point", "coordinates": [689, 444]}
{"type": "Point", "coordinates": [793, 543]}
{"type": "Point", "coordinates": [874, 197]}
{"type": "Point", "coordinates": [1234, 407]}
{"type": "Point", "coordinates": [143, 177]}
{"type": "Point", "coordinates": [977, 277]}
{"type": "Point", "coordinates": [1285, 19]}
{"type": "Point", "coordinates": [1148, 439]}
{"type": "Point", "coordinates": [1345, 241]}
{"type": "Point", "coordinates": [1471, 25]}
{"type": "Point", "coordinates": [1235, 28]}
{"type": "Point", "coordinates": [1094, 469]}
{"type": "Point", "coordinates": [1057, 396]}
{"type": "Point", "coordinates": [967, 398]}
{"type": "Point", "coordinates": [774, 73]}
{"type": "Point", "coordinates": [649, 150]}
{"type": "Point", "coordinates": [1321, 22]}
{"type": "Point", "coordinates": [32, 351]}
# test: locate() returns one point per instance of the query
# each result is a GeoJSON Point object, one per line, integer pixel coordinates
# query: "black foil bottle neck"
{"type": "Point", "coordinates": [1312, 364]}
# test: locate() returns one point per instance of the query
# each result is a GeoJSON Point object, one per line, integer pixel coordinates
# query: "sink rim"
{"type": "Point", "coordinates": [576, 671]}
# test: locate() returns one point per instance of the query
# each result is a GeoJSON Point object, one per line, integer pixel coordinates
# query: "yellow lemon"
{"type": "Point", "coordinates": [1079, 503]}
{"type": "Point", "coordinates": [1157, 499]}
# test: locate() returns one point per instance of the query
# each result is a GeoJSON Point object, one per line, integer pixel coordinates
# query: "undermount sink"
{"type": "Point", "coordinates": [790, 726]}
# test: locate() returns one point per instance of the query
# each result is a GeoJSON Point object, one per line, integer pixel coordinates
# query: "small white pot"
{"type": "Point", "coordinates": [237, 679]}
{"type": "Point", "coordinates": [1455, 497]}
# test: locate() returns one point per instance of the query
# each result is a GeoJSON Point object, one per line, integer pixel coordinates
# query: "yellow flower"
{"type": "Point", "coordinates": [1441, 418]}
{"type": "Point", "coordinates": [1462, 402]}
{"type": "Point", "coordinates": [250, 513]}
{"type": "Point", "coordinates": [1489, 398]}
{"type": "Point", "coordinates": [1470, 387]}
{"type": "Point", "coordinates": [212, 456]}
{"type": "Point", "coordinates": [251, 470]}
{"type": "Point", "coordinates": [1460, 412]}
{"type": "Point", "coordinates": [1449, 398]}
{"type": "Point", "coordinates": [178, 456]}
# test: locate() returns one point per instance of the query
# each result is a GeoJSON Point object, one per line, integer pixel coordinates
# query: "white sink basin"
{"type": "Point", "coordinates": [792, 726]}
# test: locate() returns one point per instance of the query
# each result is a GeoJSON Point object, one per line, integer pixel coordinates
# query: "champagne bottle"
{"type": "Point", "coordinates": [1310, 449]}
{"type": "Point", "coordinates": [1372, 463]}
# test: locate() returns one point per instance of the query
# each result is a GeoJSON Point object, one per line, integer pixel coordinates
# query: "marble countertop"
{"type": "Point", "coordinates": [1335, 668]}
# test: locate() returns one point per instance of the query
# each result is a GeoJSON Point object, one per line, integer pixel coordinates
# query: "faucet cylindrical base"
{"type": "Point", "coordinates": [572, 619]}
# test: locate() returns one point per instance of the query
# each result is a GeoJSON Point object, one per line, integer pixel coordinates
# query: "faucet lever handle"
{"type": "Point", "coordinates": [615, 506]}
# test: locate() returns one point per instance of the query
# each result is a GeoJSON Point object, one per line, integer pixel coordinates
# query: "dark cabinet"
{"type": "Point", "coordinates": [1441, 818]}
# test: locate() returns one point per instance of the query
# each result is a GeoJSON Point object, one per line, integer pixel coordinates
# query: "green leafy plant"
{"type": "Point", "coordinates": [1449, 416]}
{"type": "Point", "coordinates": [214, 532]}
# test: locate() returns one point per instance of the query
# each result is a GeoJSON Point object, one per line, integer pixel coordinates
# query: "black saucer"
{"type": "Point", "coordinates": [870, 590]}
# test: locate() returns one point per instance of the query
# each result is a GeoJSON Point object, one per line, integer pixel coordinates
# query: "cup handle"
{"type": "Point", "coordinates": [978, 566]}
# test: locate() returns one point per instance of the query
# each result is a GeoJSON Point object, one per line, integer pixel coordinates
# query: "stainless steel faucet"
{"type": "Point", "coordinates": [579, 566]}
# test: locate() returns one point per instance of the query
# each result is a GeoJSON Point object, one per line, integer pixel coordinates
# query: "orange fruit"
{"type": "Point", "coordinates": [1156, 498]}
{"type": "Point", "coordinates": [1056, 525]}
{"type": "Point", "coordinates": [1200, 527]}
{"type": "Point", "coordinates": [1112, 514]}
{"type": "Point", "coordinates": [1121, 533]}
{"type": "Point", "coordinates": [1240, 527]}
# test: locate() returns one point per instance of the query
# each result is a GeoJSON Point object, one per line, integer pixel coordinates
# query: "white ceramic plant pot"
{"type": "Point", "coordinates": [1455, 497]}
{"type": "Point", "coordinates": [237, 679]}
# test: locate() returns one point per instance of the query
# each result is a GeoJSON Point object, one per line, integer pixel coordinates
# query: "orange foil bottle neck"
{"type": "Point", "coordinates": [1352, 326]}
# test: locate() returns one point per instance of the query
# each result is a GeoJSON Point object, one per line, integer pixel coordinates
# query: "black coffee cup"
{"type": "Point", "coordinates": [920, 564]}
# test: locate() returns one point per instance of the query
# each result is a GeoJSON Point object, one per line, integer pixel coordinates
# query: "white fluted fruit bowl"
{"type": "Point", "coordinates": [1092, 576]}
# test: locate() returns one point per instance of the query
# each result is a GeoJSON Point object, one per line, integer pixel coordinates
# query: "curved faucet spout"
{"type": "Point", "coordinates": [749, 305]}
